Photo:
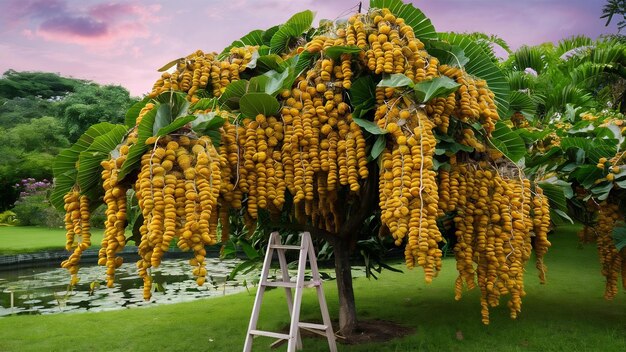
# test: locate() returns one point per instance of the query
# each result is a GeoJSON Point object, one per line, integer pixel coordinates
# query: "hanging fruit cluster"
{"type": "Point", "coordinates": [313, 151]}
{"type": "Point", "coordinates": [606, 218]}
{"type": "Point", "coordinates": [496, 215]}
{"type": "Point", "coordinates": [77, 217]}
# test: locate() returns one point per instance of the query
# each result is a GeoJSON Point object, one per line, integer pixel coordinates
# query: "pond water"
{"type": "Point", "coordinates": [45, 290]}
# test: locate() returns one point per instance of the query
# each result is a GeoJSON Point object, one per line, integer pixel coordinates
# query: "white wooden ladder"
{"type": "Point", "coordinates": [293, 337]}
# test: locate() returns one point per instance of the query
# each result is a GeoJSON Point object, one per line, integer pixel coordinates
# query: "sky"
{"type": "Point", "coordinates": [125, 42]}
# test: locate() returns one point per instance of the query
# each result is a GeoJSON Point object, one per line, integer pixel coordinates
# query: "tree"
{"type": "Point", "coordinates": [21, 110]}
{"type": "Point", "coordinates": [44, 85]}
{"type": "Point", "coordinates": [317, 129]}
{"type": "Point", "coordinates": [612, 8]}
{"type": "Point", "coordinates": [90, 104]}
{"type": "Point", "coordinates": [28, 151]}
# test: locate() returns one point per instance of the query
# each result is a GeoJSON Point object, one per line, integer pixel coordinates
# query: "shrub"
{"type": "Point", "coordinates": [33, 208]}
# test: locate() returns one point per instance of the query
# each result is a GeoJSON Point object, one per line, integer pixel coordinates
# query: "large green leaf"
{"type": "Point", "coordinates": [269, 62]}
{"type": "Point", "coordinates": [252, 104]}
{"type": "Point", "coordinates": [65, 164]}
{"type": "Point", "coordinates": [89, 169]}
{"type": "Point", "coordinates": [480, 65]}
{"type": "Point", "coordinates": [253, 38]}
{"type": "Point", "coordinates": [415, 18]}
{"type": "Point", "coordinates": [451, 55]}
{"type": "Point", "coordinates": [144, 131]}
{"type": "Point", "coordinates": [277, 80]}
{"type": "Point", "coordinates": [523, 103]}
{"type": "Point", "coordinates": [434, 88]}
{"type": "Point", "coordinates": [208, 125]}
{"type": "Point", "coordinates": [362, 95]}
{"type": "Point", "coordinates": [508, 142]}
{"type": "Point", "coordinates": [557, 192]}
{"type": "Point", "coordinates": [594, 149]}
{"type": "Point", "coordinates": [586, 175]}
{"type": "Point", "coordinates": [173, 105]}
{"type": "Point", "coordinates": [132, 113]}
{"type": "Point", "coordinates": [257, 84]}
{"type": "Point", "coordinates": [233, 92]}
{"type": "Point", "coordinates": [305, 59]}
{"type": "Point", "coordinates": [293, 28]}
{"type": "Point", "coordinates": [369, 126]}
{"type": "Point", "coordinates": [395, 80]}
{"type": "Point", "coordinates": [177, 124]}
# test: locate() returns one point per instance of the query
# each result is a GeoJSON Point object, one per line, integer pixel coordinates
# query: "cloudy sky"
{"type": "Point", "coordinates": [124, 42]}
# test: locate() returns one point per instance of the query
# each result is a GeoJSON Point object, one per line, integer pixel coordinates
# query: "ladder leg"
{"type": "Point", "coordinates": [288, 293]}
{"type": "Point", "coordinates": [295, 315]}
{"type": "Point", "coordinates": [330, 334]}
{"type": "Point", "coordinates": [258, 300]}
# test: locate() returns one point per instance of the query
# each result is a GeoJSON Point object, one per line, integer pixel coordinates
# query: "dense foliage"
{"type": "Point", "coordinates": [40, 114]}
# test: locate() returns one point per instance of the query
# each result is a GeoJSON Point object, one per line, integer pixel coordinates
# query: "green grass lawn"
{"type": "Point", "coordinates": [569, 313]}
{"type": "Point", "coordinates": [24, 239]}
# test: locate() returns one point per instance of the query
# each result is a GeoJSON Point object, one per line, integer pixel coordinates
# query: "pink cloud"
{"type": "Point", "coordinates": [101, 25]}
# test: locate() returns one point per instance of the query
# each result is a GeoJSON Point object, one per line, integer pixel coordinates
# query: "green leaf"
{"type": "Point", "coordinates": [434, 88]}
{"type": "Point", "coordinates": [586, 175]}
{"type": "Point", "coordinates": [619, 235]}
{"type": "Point", "coordinates": [175, 125]}
{"type": "Point", "coordinates": [269, 33]}
{"type": "Point", "coordinates": [269, 62]}
{"type": "Point", "coordinates": [293, 28]}
{"type": "Point", "coordinates": [421, 25]}
{"type": "Point", "coordinates": [362, 94]}
{"type": "Point", "coordinates": [204, 104]}
{"type": "Point", "coordinates": [480, 65]}
{"type": "Point", "coordinates": [234, 91]}
{"type": "Point", "coordinates": [253, 38]}
{"type": "Point", "coordinates": [379, 146]}
{"type": "Point", "coordinates": [395, 80]}
{"type": "Point", "coordinates": [451, 55]}
{"type": "Point", "coordinates": [601, 191]}
{"type": "Point", "coordinates": [369, 126]}
{"type": "Point", "coordinates": [252, 104]}
{"type": "Point", "coordinates": [594, 148]}
{"type": "Point", "coordinates": [133, 112]}
{"type": "Point", "coordinates": [305, 59]}
{"type": "Point", "coordinates": [561, 214]}
{"type": "Point", "coordinates": [335, 52]}
{"type": "Point", "coordinates": [257, 84]}
{"type": "Point", "coordinates": [144, 131]}
{"type": "Point", "coordinates": [556, 193]}
{"type": "Point", "coordinates": [65, 165]}
{"type": "Point", "coordinates": [210, 120]}
{"type": "Point", "coordinates": [508, 142]}
{"type": "Point", "coordinates": [277, 81]}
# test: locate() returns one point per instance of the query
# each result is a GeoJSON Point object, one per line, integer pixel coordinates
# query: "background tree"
{"type": "Point", "coordinates": [40, 113]}
{"type": "Point", "coordinates": [90, 104]}
{"type": "Point", "coordinates": [613, 8]}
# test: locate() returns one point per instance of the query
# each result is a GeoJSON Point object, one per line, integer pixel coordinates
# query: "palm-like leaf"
{"type": "Point", "coordinates": [480, 65]}
{"type": "Point", "coordinates": [422, 26]}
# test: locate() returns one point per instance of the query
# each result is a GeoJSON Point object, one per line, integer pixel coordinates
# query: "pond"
{"type": "Point", "coordinates": [45, 290]}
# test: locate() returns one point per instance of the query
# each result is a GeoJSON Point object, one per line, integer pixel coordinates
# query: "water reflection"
{"type": "Point", "coordinates": [44, 290]}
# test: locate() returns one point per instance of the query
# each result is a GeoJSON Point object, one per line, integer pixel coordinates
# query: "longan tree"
{"type": "Point", "coordinates": [323, 127]}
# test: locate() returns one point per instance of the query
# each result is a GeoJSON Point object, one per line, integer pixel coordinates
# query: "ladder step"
{"type": "Point", "coordinates": [291, 284]}
{"type": "Point", "coordinates": [284, 246]}
{"type": "Point", "coordinates": [275, 335]}
{"type": "Point", "coordinates": [312, 326]}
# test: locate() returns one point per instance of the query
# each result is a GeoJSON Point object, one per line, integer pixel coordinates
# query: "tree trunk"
{"type": "Point", "coordinates": [343, 272]}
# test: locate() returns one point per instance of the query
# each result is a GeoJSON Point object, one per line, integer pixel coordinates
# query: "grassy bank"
{"type": "Point", "coordinates": [567, 314]}
{"type": "Point", "coordinates": [24, 239]}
